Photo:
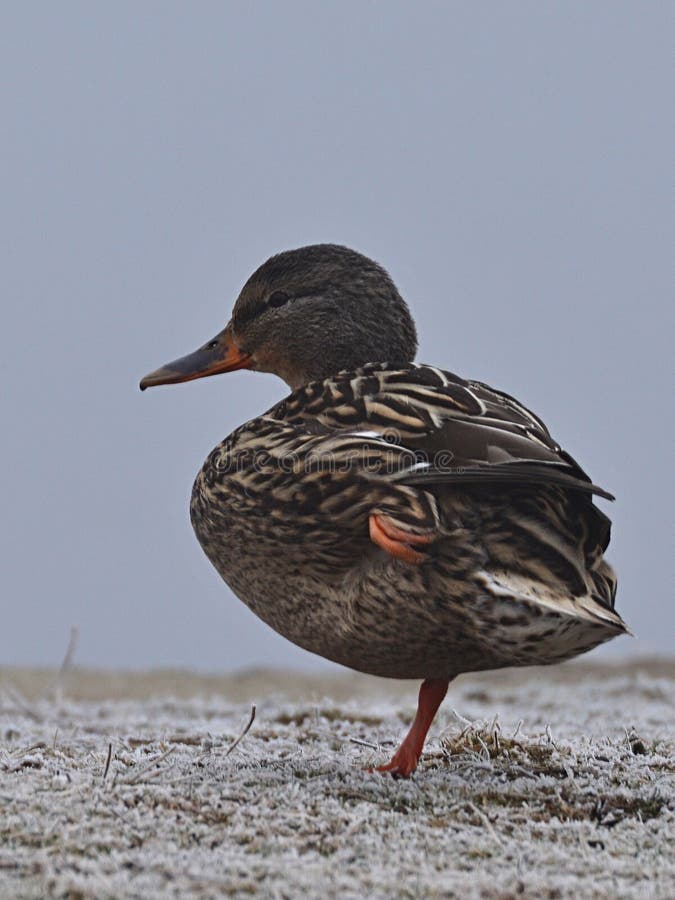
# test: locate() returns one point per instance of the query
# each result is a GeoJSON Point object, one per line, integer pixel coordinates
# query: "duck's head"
{"type": "Point", "coordinates": [305, 315]}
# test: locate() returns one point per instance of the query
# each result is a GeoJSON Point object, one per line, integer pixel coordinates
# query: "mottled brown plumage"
{"type": "Point", "coordinates": [392, 517]}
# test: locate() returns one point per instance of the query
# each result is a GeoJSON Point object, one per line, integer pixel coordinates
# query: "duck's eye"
{"type": "Point", "coordinates": [278, 298]}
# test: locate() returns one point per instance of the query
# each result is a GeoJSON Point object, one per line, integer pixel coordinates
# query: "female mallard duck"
{"type": "Point", "coordinates": [392, 517]}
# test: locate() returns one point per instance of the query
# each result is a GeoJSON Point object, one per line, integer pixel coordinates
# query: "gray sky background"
{"type": "Point", "coordinates": [507, 162]}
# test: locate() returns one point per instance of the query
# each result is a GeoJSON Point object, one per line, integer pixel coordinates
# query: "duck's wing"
{"type": "Point", "coordinates": [397, 438]}
{"type": "Point", "coordinates": [459, 431]}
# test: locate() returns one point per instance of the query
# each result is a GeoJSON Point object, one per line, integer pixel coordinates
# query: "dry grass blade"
{"type": "Point", "coordinates": [107, 762]}
{"type": "Point", "coordinates": [23, 704]}
{"type": "Point", "coordinates": [70, 651]}
{"type": "Point", "coordinates": [243, 734]}
{"type": "Point", "coordinates": [361, 743]}
{"type": "Point", "coordinates": [135, 777]}
{"type": "Point", "coordinates": [486, 822]}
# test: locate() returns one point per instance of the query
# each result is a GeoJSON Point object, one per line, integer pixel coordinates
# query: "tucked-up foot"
{"type": "Point", "coordinates": [397, 541]}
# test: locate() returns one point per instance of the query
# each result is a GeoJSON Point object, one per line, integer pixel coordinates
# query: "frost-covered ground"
{"type": "Point", "coordinates": [545, 783]}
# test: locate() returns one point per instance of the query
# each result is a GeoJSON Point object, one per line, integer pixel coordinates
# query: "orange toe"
{"type": "Point", "coordinates": [397, 541]}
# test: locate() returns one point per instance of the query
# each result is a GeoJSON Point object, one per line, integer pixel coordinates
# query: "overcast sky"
{"type": "Point", "coordinates": [507, 162]}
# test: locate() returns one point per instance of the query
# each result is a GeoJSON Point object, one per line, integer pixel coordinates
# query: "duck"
{"type": "Point", "coordinates": [391, 516]}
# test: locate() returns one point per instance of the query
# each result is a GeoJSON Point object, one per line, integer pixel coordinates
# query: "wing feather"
{"type": "Point", "coordinates": [459, 431]}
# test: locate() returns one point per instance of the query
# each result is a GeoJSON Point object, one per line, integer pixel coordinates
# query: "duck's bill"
{"type": "Point", "coordinates": [220, 354]}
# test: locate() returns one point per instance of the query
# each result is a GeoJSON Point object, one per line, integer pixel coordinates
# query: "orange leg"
{"type": "Point", "coordinates": [386, 534]}
{"type": "Point", "coordinates": [404, 762]}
